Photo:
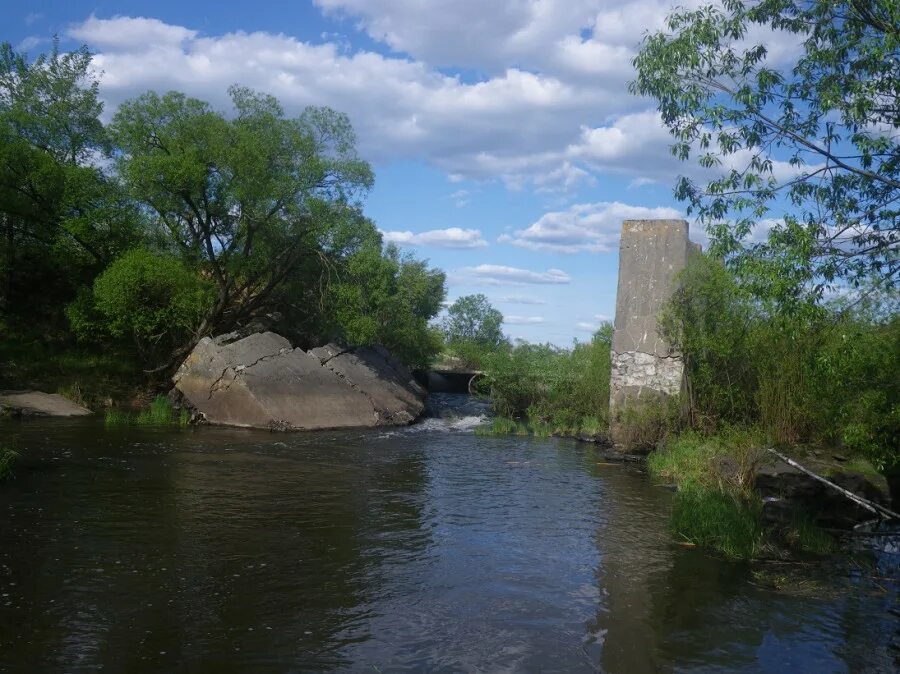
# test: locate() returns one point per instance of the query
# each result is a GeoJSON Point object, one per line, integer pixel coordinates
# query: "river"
{"type": "Point", "coordinates": [211, 550]}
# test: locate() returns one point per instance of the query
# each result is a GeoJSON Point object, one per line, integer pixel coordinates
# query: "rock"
{"type": "Point", "coordinates": [260, 381]}
{"type": "Point", "coordinates": [395, 395]}
{"type": "Point", "coordinates": [35, 403]}
{"type": "Point", "coordinates": [785, 489]}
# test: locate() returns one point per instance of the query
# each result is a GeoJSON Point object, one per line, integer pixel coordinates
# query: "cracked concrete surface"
{"type": "Point", "coordinates": [261, 381]}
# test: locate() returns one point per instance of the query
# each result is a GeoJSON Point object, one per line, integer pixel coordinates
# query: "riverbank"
{"type": "Point", "coordinates": [735, 498]}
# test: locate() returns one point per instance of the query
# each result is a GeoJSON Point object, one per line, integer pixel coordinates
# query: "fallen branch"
{"type": "Point", "coordinates": [878, 510]}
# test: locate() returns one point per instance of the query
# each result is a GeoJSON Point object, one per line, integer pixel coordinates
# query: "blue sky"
{"type": "Point", "coordinates": [506, 147]}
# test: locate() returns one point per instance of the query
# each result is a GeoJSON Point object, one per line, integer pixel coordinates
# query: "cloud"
{"type": "Point", "coordinates": [542, 104]}
{"type": "Point", "coordinates": [495, 274]}
{"type": "Point", "coordinates": [452, 237]}
{"type": "Point", "coordinates": [587, 327]}
{"type": "Point", "coordinates": [603, 318]}
{"type": "Point", "coordinates": [30, 43]}
{"type": "Point", "coordinates": [136, 34]}
{"type": "Point", "coordinates": [461, 198]}
{"type": "Point", "coordinates": [590, 228]}
{"type": "Point", "coordinates": [523, 320]}
{"type": "Point", "coordinates": [520, 299]}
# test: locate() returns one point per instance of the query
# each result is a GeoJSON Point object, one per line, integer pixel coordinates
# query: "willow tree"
{"type": "Point", "coordinates": [244, 198]}
{"type": "Point", "coordinates": [811, 144]}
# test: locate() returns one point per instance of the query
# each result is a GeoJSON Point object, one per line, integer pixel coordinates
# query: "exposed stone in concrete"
{"type": "Point", "coordinates": [651, 254]}
{"type": "Point", "coordinates": [261, 381]}
{"type": "Point", "coordinates": [35, 403]}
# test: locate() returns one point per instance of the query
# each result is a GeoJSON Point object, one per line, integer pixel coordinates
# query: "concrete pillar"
{"type": "Point", "coordinates": [644, 367]}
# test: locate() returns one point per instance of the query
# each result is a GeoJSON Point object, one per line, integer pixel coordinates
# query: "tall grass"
{"type": "Point", "coordinates": [159, 413]}
{"type": "Point", "coordinates": [551, 386]}
{"type": "Point", "coordinates": [718, 520]}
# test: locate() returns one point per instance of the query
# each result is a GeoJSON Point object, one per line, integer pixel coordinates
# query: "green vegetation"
{"type": "Point", "coordinates": [7, 458]}
{"type": "Point", "coordinates": [819, 373]}
{"type": "Point", "coordinates": [809, 139]}
{"type": "Point", "coordinates": [764, 348]}
{"type": "Point", "coordinates": [566, 390]}
{"type": "Point", "coordinates": [717, 520]}
{"type": "Point", "coordinates": [159, 413]}
{"type": "Point", "coordinates": [131, 241]}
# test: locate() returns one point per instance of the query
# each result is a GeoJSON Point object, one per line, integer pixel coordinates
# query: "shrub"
{"type": "Point", "coordinates": [549, 385]}
{"type": "Point", "coordinates": [803, 373]}
{"type": "Point", "coordinates": [153, 299]}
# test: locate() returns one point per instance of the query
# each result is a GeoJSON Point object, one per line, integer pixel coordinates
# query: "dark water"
{"type": "Point", "coordinates": [212, 550]}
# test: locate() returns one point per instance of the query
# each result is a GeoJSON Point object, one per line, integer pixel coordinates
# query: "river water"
{"type": "Point", "coordinates": [222, 551]}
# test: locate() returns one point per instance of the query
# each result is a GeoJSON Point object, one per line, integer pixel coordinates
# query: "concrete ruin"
{"type": "Point", "coordinates": [644, 367]}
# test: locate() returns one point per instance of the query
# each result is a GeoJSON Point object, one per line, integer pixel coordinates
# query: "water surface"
{"type": "Point", "coordinates": [426, 549]}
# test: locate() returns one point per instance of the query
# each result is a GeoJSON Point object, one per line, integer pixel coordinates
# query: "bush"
{"type": "Point", "coordinates": [643, 426]}
{"type": "Point", "coordinates": [808, 373]}
{"type": "Point", "coordinates": [153, 299]}
{"type": "Point", "coordinates": [551, 386]}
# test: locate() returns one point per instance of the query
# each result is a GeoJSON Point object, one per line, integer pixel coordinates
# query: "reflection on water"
{"type": "Point", "coordinates": [214, 550]}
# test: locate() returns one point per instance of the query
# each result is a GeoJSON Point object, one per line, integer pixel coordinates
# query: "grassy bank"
{"type": "Point", "coordinates": [160, 412]}
{"type": "Point", "coordinates": [585, 427]}
{"type": "Point", "coordinates": [715, 504]}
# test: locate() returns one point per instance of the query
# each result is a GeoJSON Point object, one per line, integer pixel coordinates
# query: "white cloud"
{"type": "Point", "coordinates": [495, 274]}
{"type": "Point", "coordinates": [520, 299]}
{"type": "Point", "coordinates": [603, 318]}
{"type": "Point", "coordinates": [523, 320]}
{"type": "Point", "coordinates": [452, 237]}
{"type": "Point", "coordinates": [544, 104]}
{"type": "Point", "coordinates": [461, 198]}
{"type": "Point", "coordinates": [127, 33]}
{"type": "Point", "coordinates": [30, 43]}
{"type": "Point", "coordinates": [583, 227]}
{"type": "Point", "coordinates": [587, 327]}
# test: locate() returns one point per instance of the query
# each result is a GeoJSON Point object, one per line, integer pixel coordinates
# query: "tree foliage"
{"type": "Point", "coordinates": [178, 221]}
{"type": "Point", "coordinates": [471, 318]}
{"type": "Point", "coordinates": [243, 198]}
{"type": "Point", "coordinates": [62, 217]}
{"type": "Point", "coordinates": [812, 145]}
{"type": "Point", "coordinates": [830, 375]}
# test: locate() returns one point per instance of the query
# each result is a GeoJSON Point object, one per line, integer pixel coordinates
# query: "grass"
{"type": "Point", "coordinates": [590, 426]}
{"type": "Point", "coordinates": [502, 426]}
{"type": "Point", "coordinates": [714, 506]}
{"type": "Point", "coordinates": [8, 457]}
{"type": "Point", "coordinates": [159, 413]}
{"type": "Point", "coordinates": [715, 519]}
{"type": "Point", "coordinates": [643, 427]}
{"type": "Point", "coordinates": [804, 535]}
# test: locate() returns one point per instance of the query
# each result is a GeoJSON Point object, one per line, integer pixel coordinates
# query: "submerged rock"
{"type": "Point", "coordinates": [260, 381]}
{"type": "Point", "coordinates": [35, 403]}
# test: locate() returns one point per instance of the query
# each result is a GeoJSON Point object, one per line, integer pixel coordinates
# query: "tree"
{"type": "Point", "coordinates": [63, 218]}
{"type": "Point", "coordinates": [244, 199]}
{"type": "Point", "coordinates": [471, 318]}
{"type": "Point", "coordinates": [383, 297]}
{"type": "Point", "coordinates": [818, 139]}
